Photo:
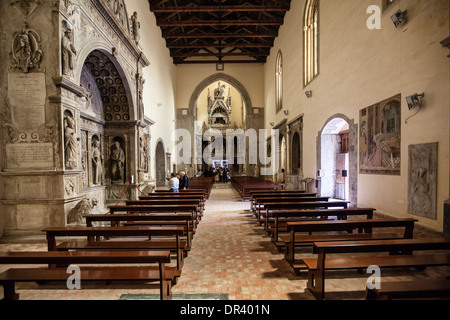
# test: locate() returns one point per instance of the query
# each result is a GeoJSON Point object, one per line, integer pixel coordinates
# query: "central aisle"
{"type": "Point", "coordinates": [232, 255]}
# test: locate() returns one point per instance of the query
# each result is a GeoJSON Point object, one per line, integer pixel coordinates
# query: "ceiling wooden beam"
{"type": "Point", "coordinates": [219, 54]}
{"type": "Point", "coordinates": [217, 45]}
{"type": "Point", "coordinates": [248, 8]}
{"type": "Point", "coordinates": [203, 23]}
{"type": "Point", "coordinates": [217, 35]}
{"type": "Point", "coordinates": [217, 61]}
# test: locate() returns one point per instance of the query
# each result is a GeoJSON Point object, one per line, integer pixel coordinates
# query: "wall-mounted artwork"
{"type": "Point", "coordinates": [422, 180]}
{"type": "Point", "coordinates": [380, 138]}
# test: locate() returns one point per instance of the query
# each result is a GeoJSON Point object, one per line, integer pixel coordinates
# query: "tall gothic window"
{"type": "Point", "coordinates": [311, 41]}
{"type": "Point", "coordinates": [279, 82]}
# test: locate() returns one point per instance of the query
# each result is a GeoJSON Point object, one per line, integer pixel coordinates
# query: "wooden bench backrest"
{"type": "Point", "coordinates": [342, 225]}
{"type": "Point", "coordinates": [306, 205]}
{"type": "Point", "coordinates": [382, 245]}
{"type": "Point", "coordinates": [75, 257]}
{"type": "Point", "coordinates": [327, 213]}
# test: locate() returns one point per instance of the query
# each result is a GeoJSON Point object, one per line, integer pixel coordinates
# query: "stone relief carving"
{"type": "Point", "coordinates": [70, 141]}
{"type": "Point", "coordinates": [26, 51]}
{"type": "Point", "coordinates": [68, 52]}
{"type": "Point", "coordinates": [84, 207]}
{"type": "Point", "coordinates": [119, 9]}
{"type": "Point", "coordinates": [422, 178]}
{"type": "Point", "coordinates": [74, 16]}
{"type": "Point", "coordinates": [25, 7]}
{"type": "Point", "coordinates": [143, 152]}
{"type": "Point", "coordinates": [69, 186]}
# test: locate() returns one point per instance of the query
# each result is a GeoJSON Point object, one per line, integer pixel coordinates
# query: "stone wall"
{"type": "Point", "coordinates": [359, 67]}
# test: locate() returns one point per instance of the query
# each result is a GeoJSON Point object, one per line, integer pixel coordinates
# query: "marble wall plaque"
{"type": "Point", "coordinates": [422, 184]}
{"type": "Point", "coordinates": [29, 155]}
{"type": "Point", "coordinates": [27, 95]}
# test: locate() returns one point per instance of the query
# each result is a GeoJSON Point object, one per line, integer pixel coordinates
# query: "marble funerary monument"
{"type": "Point", "coordinates": [73, 125]}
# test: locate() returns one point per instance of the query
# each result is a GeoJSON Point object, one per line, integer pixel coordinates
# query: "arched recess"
{"type": "Point", "coordinates": [221, 77]}
{"type": "Point", "coordinates": [160, 163]}
{"type": "Point", "coordinates": [112, 84]}
{"type": "Point", "coordinates": [327, 152]}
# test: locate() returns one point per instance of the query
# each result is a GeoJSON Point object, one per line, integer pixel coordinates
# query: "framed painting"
{"type": "Point", "coordinates": [380, 138]}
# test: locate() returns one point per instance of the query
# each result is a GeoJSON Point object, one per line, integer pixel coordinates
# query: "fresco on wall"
{"type": "Point", "coordinates": [422, 180]}
{"type": "Point", "coordinates": [380, 138]}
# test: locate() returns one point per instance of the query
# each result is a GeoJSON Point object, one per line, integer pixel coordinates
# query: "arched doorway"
{"type": "Point", "coordinates": [283, 160]}
{"type": "Point", "coordinates": [160, 161]}
{"type": "Point", "coordinates": [337, 160]}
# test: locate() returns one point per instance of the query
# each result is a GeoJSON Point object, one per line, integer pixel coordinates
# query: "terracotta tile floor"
{"type": "Point", "coordinates": [232, 255]}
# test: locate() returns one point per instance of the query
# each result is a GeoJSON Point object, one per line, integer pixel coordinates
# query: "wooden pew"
{"type": "Point", "coordinates": [173, 208]}
{"type": "Point", "coordinates": [284, 199]}
{"type": "Point", "coordinates": [417, 289]}
{"type": "Point", "coordinates": [285, 206]}
{"type": "Point", "coordinates": [162, 273]}
{"type": "Point", "coordinates": [365, 228]}
{"type": "Point", "coordinates": [246, 185]}
{"type": "Point", "coordinates": [182, 196]}
{"type": "Point", "coordinates": [109, 232]}
{"type": "Point", "coordinates": [282, 218]}
{"type": "Point", "coordinates": [264, 194]}
{"type": "Point", "coordinates": [166, 202]}
{"type": "Point", "coordinates": [317, 267]}
{"type": "Point", "coordinates": [117, 220]}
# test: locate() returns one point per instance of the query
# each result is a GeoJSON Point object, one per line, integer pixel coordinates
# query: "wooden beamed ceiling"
{"type": "Point", "coordinates": [213, 31]}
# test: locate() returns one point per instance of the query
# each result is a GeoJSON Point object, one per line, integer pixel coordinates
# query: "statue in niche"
{"type": "Point", "coordinates": [70, 141]}
{"type": "Point", "coordinates": [136, 25]}
{"type": "Point", "coordinates": [97, 165]}
{"type": "Point", "coordinates": [26, 53]}
{"type": "Point", "coordinates": [117, 163]}
{"type": "Point", "coordinates": [68, 52]}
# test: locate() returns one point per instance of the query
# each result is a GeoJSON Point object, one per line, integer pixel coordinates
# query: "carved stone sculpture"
{"type": "Point", "coordinates": [70, 142]}
{"type": "Point", "coordinates": [117, 163]}
{"type": "Point", "coordinates": [68, 53]}
{"type": "Point", "coordinates": [136, 25]}
{"type": "Point", "coordinates": [97, 166]}
{"type": "Point", "coordinates": [84, 207]}
{"type": "Point", "coordinates": [26, 53]}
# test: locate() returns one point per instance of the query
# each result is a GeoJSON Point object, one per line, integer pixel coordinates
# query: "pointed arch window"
{"type": "Point", "coordinates": [311, 41]}
{"type": "Point", "coordinates": [279, 82]}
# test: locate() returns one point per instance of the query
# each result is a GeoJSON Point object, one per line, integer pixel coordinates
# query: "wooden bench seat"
{"type": "Point", "coordinates": [125, 245]}
{"type": "Point", "coordinates": [277, 221]}
{"type": "Point", "coordinates": [183, 219]}
{"type": "Point", "coordinates": [364, 227]}
{"type": "Point", "coordinates": [417, 289]}
{"type": "Point", "coordinates": [317, 267]}
{"type": "Point", "coordinates": [174, 208]}
{"type": "Point", "coordinates": [260, 203]}
{"type": "Point", "coordinates": [296, 206]}
{"type": "Point", "coordinates": [255, 196]}
{"type": "Point", "coordinates": [92, 233]}
{"type": "Point", "coordinates": [107, 273]}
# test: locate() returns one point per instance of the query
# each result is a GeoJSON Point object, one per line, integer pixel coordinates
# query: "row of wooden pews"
{"type": "Point", "coordinates": [342, 238]}
{"type": "Point", "coordinates": [143, 241]}
{"type": "Point", "coordinates": [246, 185]}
